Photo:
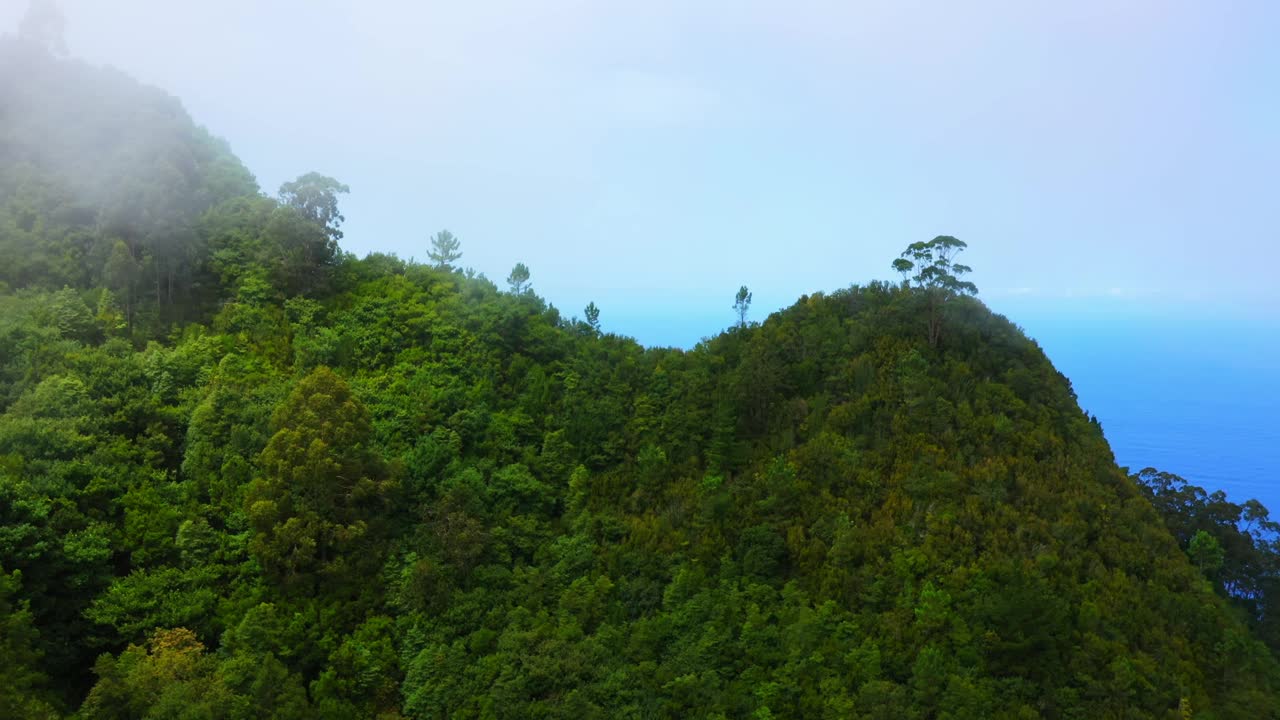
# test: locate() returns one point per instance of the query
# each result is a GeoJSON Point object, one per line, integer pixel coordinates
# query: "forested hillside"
{"type": "Point", "coordinates": [244, 474]}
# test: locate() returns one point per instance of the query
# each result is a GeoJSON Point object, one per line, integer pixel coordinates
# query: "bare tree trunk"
{"type": "Point", "coordinates": [935, 320]}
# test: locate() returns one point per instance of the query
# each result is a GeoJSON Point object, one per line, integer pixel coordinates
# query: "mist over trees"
{"type": "Point", "coordinates": [742, 305]}
{"type": "Point", "coordinates": [445, 249]}
{"type": "Point", "coordinates": [245, 474]}
{"type": "Point", "coordinates": [123, 215]}
{"type": "Point", "coordinates": [45, 26]}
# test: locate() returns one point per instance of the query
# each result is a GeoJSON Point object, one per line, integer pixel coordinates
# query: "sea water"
{"type": "Point", "coordinates": [1197, 397]}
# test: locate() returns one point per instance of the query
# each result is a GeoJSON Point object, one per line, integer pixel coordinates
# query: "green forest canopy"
{"type": "Point", "coordinates": [244, 474]}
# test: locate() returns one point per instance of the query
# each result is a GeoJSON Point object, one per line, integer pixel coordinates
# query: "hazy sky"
{"type": "Point", "coordinates": [1099, 156]}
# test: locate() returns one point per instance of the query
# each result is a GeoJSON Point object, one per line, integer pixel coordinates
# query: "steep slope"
{"type": "Point", "coordinates": [370, 488]}
{"type": "Point", "coordinates": [90, 158]}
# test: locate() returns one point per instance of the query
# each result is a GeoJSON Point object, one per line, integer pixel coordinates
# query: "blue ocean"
{"type": "Point", "coordinates": [1197, 397]}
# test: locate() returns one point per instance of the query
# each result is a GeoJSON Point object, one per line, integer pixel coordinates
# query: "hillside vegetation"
{"type": "Point", "coordinates": [244, 474]}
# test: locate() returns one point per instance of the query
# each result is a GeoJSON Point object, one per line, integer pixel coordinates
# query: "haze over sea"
{"type": "Point", "coordinates": [1198, 398]}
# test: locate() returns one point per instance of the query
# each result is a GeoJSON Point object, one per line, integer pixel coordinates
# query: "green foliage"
{"type": "Point", "coordinates": [742, 305]}
{"type": "Point", "coordinates": [315, 197]}
{"type": "Point", "coordinates": [316, 508]}
{"type": "Point", "coordinates": [1206, 553]}
{"type": "Point", "coordinates": [23, 692]}
{"type": "Point", "coordinates": [518, 280]}
{"type": "Point", "coordinates": [171, 677]}
{"type": "Point", "coordinates": [102, 182]}
{"type": "Point", "coordinates": [937, 276]}
{"type": "Point", "coordinates": [1235, 546]}
{"type": "Point", "coordinates": [297, 484]}
{"type": "Point", "coordinates": [444, 250]}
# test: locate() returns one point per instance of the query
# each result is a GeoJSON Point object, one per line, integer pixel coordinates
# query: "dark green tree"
{"type": "Point", "coordinates": [317, 506]}
{"type": "Point", "coordinates": [22, 685]}
{"type": "Point", "coordinates": [593, 316]}
{"type": "Point", "coordinates": [937, 276]}
{"type": "Point", "coordinates": [300, 252]}
{"type": "Point", "coordinates": [121, 276]}
{"type": "Point", "coordinates": [1205, 551]}
{"type": "Point", "coordinates": [518, 280]}
{"type": "Point", "coordinates": [315, 196]}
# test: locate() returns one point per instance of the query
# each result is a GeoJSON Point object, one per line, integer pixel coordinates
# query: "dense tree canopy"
{"type": "Point", "coordinates": [291, 483]}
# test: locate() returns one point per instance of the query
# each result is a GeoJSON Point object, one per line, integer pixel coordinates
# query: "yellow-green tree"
{"type": "Point", "coordinates": [315, 508]}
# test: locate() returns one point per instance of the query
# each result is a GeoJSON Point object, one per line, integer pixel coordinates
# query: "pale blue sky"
{"type": "Point", "coordinates": [1099, 156]}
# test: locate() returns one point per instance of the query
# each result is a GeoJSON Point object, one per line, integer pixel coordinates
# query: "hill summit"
{"type": "Point", "coordinates": [244, 474]}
